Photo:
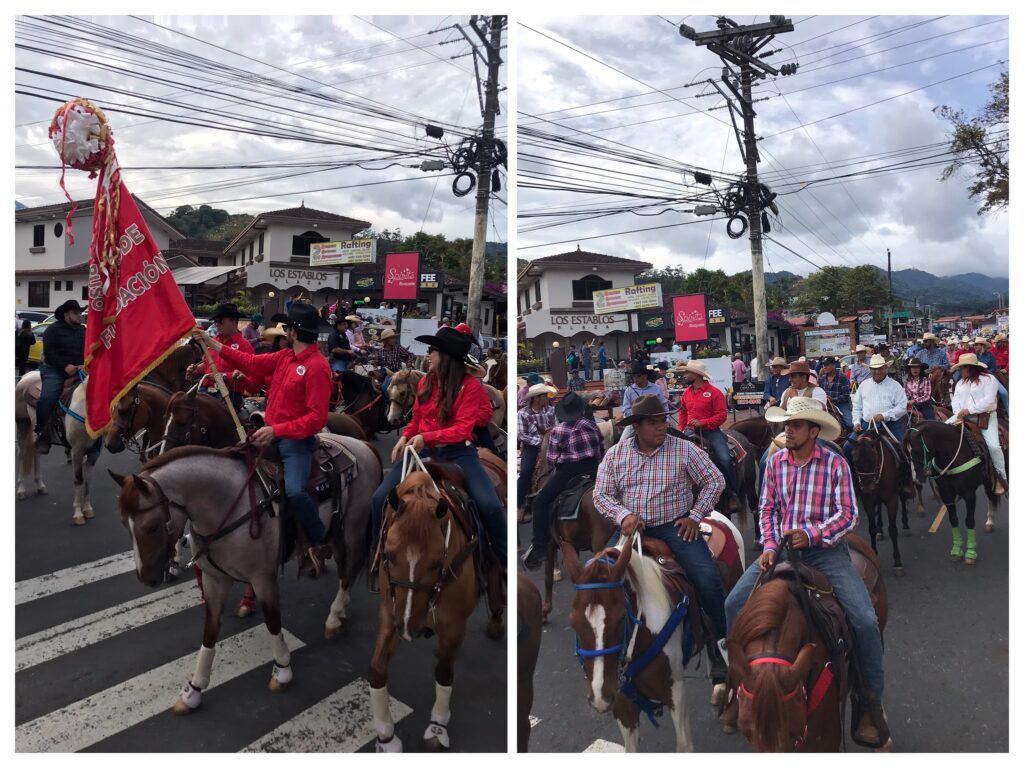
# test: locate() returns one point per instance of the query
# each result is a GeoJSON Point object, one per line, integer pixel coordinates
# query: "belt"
{"type": "Point", "coordinates": [440, 446]}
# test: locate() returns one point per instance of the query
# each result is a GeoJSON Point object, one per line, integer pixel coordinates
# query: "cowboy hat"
{"type": "Point", "coordinates": [800, 366]}
{"type": "Point", "coordinates": [304, 317]}
{"type": "Point", "coordinates": [450, 342]}
{"type": "Point", "coordinates": [861, 348]}
{"type": "Point", "coordinates": [227, 310]}
{"type": "Point", "coordinates": [274, 330]}
{"type": "Point", "coordinates": [639, 369]}
{"type": "Point", "coordinates": [877, 361]}
{"type": "Point", "coordinates": [828, 360]}
{"type": "Point", "coordinates": [777, 362]}
{"type": "Point", "coordinates": [387, 334]}
{"type": "Point", "coordinates": [534, 378]}
{"type": "Point", "coordinates": [805, 409]}
{"type": "Point", "coordinates": [697, 367]}
{"type": "Point", "coordinates": [644, 407]}
{"type": "Point", "coordinates": [968, 358]}
{"type": "Point", "coordinates": [474, 368]}
{"type": "Point", "coordinates": [68, 306]}
{"type": "Point", "coordinates": [521, 382]}
{"type": "Point", "coordinates": [999, 337]}
{"type": "Point", "coordinates": [354, 318]}
{"type": "Point", "coordinates": [929, 336]}
{"type": "Point", "coordinates": [570, 408]}
{"type": "Point", "coordinates": [981, 340]}
{"type": "Point", "coordinates": [539, 389]}
{"type": "Point", "coordinates": [917, 363]}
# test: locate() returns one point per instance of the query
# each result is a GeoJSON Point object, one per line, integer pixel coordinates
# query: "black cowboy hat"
{"type": "Point", "coordinates": [917, 363]}
{"type": "Point", "coordinates": [640, 369]}
{"type": "Point", "coordinates": [570, 408]}
{"type": "Point", "coordinates": [828, 361]}
{"type": "Point", "coordinates": [70, 304]}
{"type": "Point", "coordinates": [449, 341]}
{"type": "Point", "coordinates": [304, 317]}
{"type": "Point", "coordinates": [280, 317]}
{"type": "Point", "coordinates": [644, 407]}
{"type": "Point", "coordinates": [227, 310]}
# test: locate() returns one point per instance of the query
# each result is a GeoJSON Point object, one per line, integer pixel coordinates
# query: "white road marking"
{"type": "Point", "coordinates": [534, 721]}
{"type": "Point", "coordinates": [604, 746]}
{"type": "Point", "coordinates": [97, 717]}
{"type": "Point", "coordinates": [75, 576]}
{"type": "Point", "coordinates": [87, 630]}
{"type": "Point", "coordinates": [340, 723]}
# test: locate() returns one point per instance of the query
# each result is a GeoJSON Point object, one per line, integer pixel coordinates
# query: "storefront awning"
{"type": "Point", "coordinates": [200, 275]}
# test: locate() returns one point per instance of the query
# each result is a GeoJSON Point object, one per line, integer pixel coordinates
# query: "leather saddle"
{"type": "Point", "coordinates": [567, 503]}
{"type": "Point", "coordinates": [333, 468]}
{"type": "Point", "coordinates": [737, 451]}
{"type": "Point", "coordinates": [976, 434]}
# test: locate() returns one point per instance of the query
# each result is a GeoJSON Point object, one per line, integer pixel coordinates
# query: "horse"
{"type": "Point", "coordinates": [774, 652]}
{"type": "Point", "coordinates": [171, 372]}
{"type": "Point", "coordinates": [26, 395]}
{"type": "Point", "coordinates": [880, 482]}
{"type": "Point", "coordinates": [758, 430]}
{"type": "Point", "coordinates": [402, 394]}
{"type": "Point", "coordinates": [198, 418]}
{"type": "Point", "coordinates": [649, 639]}
{"type": "Point", "coordinates": [138, 421]}
{"type": "Point", "coordinates": [941, 381]}
{"type": "Point", "coordinates": [608, 401]}
{"type": "Point", "coordinates": [497, 406]}
{"type": "Point", "coordinates": [192, 484]}
{"type": "Point", "coordinates": [362, 401]}
{"type": "Point", "coordinates": [528, 649]}
{"type": "Point", "coordinates": [429, 584]}
{"type": "Point", "coordinates": [957, 465]}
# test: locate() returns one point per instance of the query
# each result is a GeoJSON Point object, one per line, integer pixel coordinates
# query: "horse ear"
{"type": "Point", "coordinates": [572, 561]}
{"type": "Point", "coordinates": [802, 665]}
{"type": "Point", "coordinates": [389, 372]}
{"type": "Point", "coordinates": [619, 569]}
{"type": "Point", "coordinates": [393, 498]}
{"type": "Point", "coordinates": [119, 479]}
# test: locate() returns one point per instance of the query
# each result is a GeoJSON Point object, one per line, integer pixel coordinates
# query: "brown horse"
{"type": "Point", "coordinates": [880, 482]}
{"type": "Point", "coordinates": [362, 401]}
{"type": "Point", "coordinates": [138, 421]}
{"type": "Point", "coordinates": [402, 395]}
{"type": "Point", "coordinates": [778, 710]}
{"type": "Point", "coordinates": [428, 585]}
{"type": "Point", "coordinates": [528, 649]}
{"type": "Point", "coordinates": [941, 381]}
{"type": "Point", "coordinates": [170, 374]}
{"type": "Point", "coordinates": [758, 430]}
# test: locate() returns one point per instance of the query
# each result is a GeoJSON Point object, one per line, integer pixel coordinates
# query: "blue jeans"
{"type": "Point", "coordinates": [586, 369]}
{"type": "Point", "coordinates": [896, 427]}
{"type": "Point", "coordinates": [846, 409]}
{"type": "Point", "coordinates": [297, 457]}
{"type": "Point", "coordinates": [853, 596]}
{"type": "Point", "coordinates": [52, 385]}
{"type": "Point", "coordinates": [718, 450]}
{"type": "Point", "coordinates": [337, 366]}
{"type": "Point", "coordinates": [527, 462]}
{"type": "Point", "coordinates": [700, 567]}
{"type": "Point", "coordinates": [478, 486]}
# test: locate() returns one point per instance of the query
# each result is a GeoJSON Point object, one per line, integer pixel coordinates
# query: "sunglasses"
{"type": "Point", "coordinates": [432, 349]}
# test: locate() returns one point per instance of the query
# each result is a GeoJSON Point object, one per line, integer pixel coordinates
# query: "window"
{"type": "Point", "coordinates": [583, 289]}
{"type": "Point", "coordinates": [536, 291]}
{"type": "Point", "coordinates": [252, 247]}
{"type": "Point", "coordinates": [68, 285]}
{"type": "Point", "coordinates": [39, 293]}
{"type": "Point", "coordinates": [301, 243]}
{"type": "Point", "coordinates": [261, 243]}
{"type": "Point", "coordinates": [56, 286]}
{"type": "Point", "coordinates": [85, 293]}
{"type": "Point", "coordinates": [58, 229]}
{"type": "Point", "coordinates": [38, 233]}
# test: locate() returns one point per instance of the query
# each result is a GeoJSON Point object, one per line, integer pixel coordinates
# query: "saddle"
{"type": "Point", "coordinates": [678, 586]}
{"type": "Point", "coordinates": [977, 435]}
{"type": "Point", "coordinates": [567, 504]}
{"type": "Point", "coordinates": [736, 451]}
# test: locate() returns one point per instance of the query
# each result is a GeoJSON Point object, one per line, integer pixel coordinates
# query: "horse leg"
{"type": "Point", "coordinates": [872, 526]}
{"type": "Point", "coordinates": [627, 717]}
{"type": "Point", "coordinates": [387, 642]}
{"type": "Point", "coordinates": [495, 603]}
{"type": "Point", "coordinates": [436, 739]}
{"type": "Point", "coordinates": [549, 580]}
{"type": "Point", "coordinates": [920, 500]}
{"type": "Point", "coordinates": [971, 553]}
{"type": "Point", "coordinates": [877, 512]}
{"type": "Point", "coordinates": [681, 716]}
{"type": "Point", "coordinates": [906, 523]}
{"type": "Point", "coordinates": [894, 533]}
{"type": "Point", "coordinates": [990, 519]}
{"type": "Point", "coordinates": [337, 617]}
{"type": "Point", "coordinates": [78, 465]}
{"type": "Point", "coordinates": [91, 456]}
{"type": "Point", "coordinates": [191, 694]}
{"type": "Point", "coordinates": [957, 552]}
{"type": "Point", "coordinates": [267, 592]}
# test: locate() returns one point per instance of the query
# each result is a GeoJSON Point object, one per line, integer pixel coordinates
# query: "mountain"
{"type": "Point", "coordinates": [18, 206]}
{"type": "Point", "coordinates": [954, 294]}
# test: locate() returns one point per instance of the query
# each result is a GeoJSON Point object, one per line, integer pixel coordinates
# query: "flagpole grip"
{"type": "Point", "coordinates": [218, 380]}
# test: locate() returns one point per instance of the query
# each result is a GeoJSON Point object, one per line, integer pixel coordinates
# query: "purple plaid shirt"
{"type": "Point", "coordinates": [574, 441]}
{"type": "Point", "coordinates": [816, 498]}
{"type": "Point", "coordinates": [838, 390]}
{"type": "Point", "coordinates": [532, 424]}
{"type": "Point", "coordinates": [919, 390]}
{"type": "Point", "coordinates": [657, 488]}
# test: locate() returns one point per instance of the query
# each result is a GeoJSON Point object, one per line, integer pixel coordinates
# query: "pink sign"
{"type": "Point", "coordinates": [401, 276]}
{"type": "Point", "coordinates": [690, 316]}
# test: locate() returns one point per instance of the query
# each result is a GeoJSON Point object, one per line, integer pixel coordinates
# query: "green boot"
{"type": "Point", "coordinates": [957, 552]}
{"type": "Point", "coordinates": [971, 556]}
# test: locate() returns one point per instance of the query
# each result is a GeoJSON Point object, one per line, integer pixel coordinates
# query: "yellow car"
{"type": "Point", "coordinates": [35, 352]}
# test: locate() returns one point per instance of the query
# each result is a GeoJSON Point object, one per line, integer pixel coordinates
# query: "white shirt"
{"type": "Point", "coordinates": [817, 393]}
{"type": "Point", "coordinates": [976, 396]}
{"type": "Point", "coordinates": [887, 398]}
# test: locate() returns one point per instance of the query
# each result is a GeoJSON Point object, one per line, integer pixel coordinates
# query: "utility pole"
{"type": "Point", "coordinates": [484, 168]}
{"type": "Point", "coordinates": [741, 50]}
{"type": "Point", "coordinates": [888, 256]}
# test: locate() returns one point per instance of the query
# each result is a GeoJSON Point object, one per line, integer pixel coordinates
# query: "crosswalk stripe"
{"type": "Point", "coordinates": [534, 721]}
{"type": "Point", "coordinates": [604, 746]}
{"type": "Point", "coordinates": [92, 719]}
{"type": "Point", "coordinates": [75, 576]}
{"type": "Point", "coordinates": [342, 722]}
{"type": "Point", "coordinates": [79, 633]}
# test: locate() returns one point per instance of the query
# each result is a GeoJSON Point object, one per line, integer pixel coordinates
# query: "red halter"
{"type": "Point", "coordinates": [811, 703]}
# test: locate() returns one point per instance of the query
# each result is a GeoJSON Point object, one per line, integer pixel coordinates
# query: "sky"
{"type": "Point", "coordinates": [845, 62]}
{"type": "Point", "coordinates": [368, 85]}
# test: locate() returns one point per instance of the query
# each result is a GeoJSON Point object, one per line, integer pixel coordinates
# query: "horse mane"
{"type": "Point", "coordinates": [355, 383]}
{"type": "Point", "coordinates": [187, 451]}
{"type": "Point", "coordinates": [418, 502]}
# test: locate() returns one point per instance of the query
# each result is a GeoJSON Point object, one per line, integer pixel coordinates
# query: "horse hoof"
{"type": "Point", "coordinates": [898, 570]}
{"type": "Point", "coordinates": [728, 728]}
{"type": "Point", "coordinates": [495, 629]}
{"type": "Point", "coordinates": [78, 520]}
{"type": "Point", "coordinates": [394, 744]}
{"type": "Point", "coordinates": [436, 738]}
{"type": "Point", "coordinates": [880, 536]}
{"type": "Point", "coordinates": [556, 574]}
{"type": "Point", "coordinates": [89, 514]}
{"type": "Point", "coordinates": [989, 527]}
{"type": "Point", "coordinates": [277, 686]}
{"type": "Point", "coordinates": [21, 493]}
{"type": "Point", "coordinates": [887, 747]}
{"type": "Point", "coordinates": [181, 708]}
{"type": "Point", "coordinates": [245, 610]}
{"type": "Point", "coordinates": [970, 558]}
{"type": "Point", "coordinates": [332, 632]}
{"type": "Point", "coordinates": [41, 490]}
{"type": "Point", "coordinates": [719, 695]}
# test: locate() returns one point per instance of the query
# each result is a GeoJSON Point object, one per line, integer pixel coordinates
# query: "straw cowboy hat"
{"type": "Point", "coordinates": [982, 340]}
{"type": "Point", "coordinates": [695, 366]}
{"type": "Point", "coordinates": [805, 409]}
{"type": "Point", "coordinates": [999, 337]}
{"type": "Point", "coordinates": [862, 348]}
{"type": "Point", "coordinates": [877, 361]}
{"type": "Point", "coordinates": [969, 358]}
{"type": "Point", "coordinates": [354, 318]}
{"type": "Point", "coordinates": [387, 334]}
{"type": "Point", "coordinates": [928, 336]}
{"type": "Point", "coordinates": [777, 362]}
{"type": "Point", "coordinates": [540, 389]}
{"type": "Point", "coordinates": [274, 330]}
{"type": "Point", "coordinates": [645, 407]}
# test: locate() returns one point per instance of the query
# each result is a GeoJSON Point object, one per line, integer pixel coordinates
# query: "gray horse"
{"type": "Point", "coordinates": [196, 484]}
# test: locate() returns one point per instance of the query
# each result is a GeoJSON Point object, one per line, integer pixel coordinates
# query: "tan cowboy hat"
{"type": "Point", "coordinates": [981, 340]}
{"type": "Point", "coordinates": [928, 336]}
{"type": "Point", "coordinates": [777, 361]}
{"type": "Point", "coordinates": [521, 382]}
{"type": "Point", "coordinates": [274, 330]}
{"type": "Point", "coordinates": [877, 361]}
{"type": "Point", "coordinates": [968, 358]}
{"type": "Point", "coordinates": [540, 389]}
{"type": "Point", "coordinates": [354, 318]}
{"type": "Point", "coordinates": [387, 334]}
{"type": "Point", "coordinates": [645, 407]}
{"type": "Point", "coordinates": [999, 337]}
{"type": "Point", "coordinates": [695, 366]}
{"type": "Point", "coordinates": [861, 348]}
{"type": "Point", "coordinates": [805, 409]}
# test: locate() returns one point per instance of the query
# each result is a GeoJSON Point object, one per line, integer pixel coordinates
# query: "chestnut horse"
{"type": "Point", "coordinates": [138, 421]}
{"type": "Point", "coordinates": [402, 394]}
{"type": "Point", "coordinates": [528, 636]}
{"type": "Point", "coordinates": [880, 482]}
{"type": "Point", "coordinates": [171, 372]}
{"type": "Point", "coordinates": [774, 651]}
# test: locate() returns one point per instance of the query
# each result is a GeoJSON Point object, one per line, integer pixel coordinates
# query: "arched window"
{"type": "Point", "coordinates": [583, 289]}
{"type": "Point", "coordinates": [301, 243]}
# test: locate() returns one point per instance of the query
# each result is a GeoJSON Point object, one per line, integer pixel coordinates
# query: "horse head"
{"type": "Point", "coordinates": [868, 458]}
{"type": "Point", "coordinates": [122, 422]}
{"type": "Point", "coordinates": [146, 513]}
{"type": "Point", "coordinates": [770, 657]}
{"type": "Point", "coordinates": [402, 394]}
{"type": "Point", "coordinates": [182, 421]}
{"type": "Point", "coordinates": [599, 618]}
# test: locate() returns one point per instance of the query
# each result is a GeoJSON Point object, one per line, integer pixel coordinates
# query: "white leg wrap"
{"type": "Point", "coordinates": [191, 696]}
{"type": "Point", "coordinates": [441, 712]}
{"type": "Point", "coordinates": [204, 663]}
{"type": "Point", "coordinates": [282, 656]}
{"type": "Point", "coordinates": [380, 707]}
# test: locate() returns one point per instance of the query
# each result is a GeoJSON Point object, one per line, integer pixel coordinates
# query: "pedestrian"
{"type": "Point", "coordinates": [533, 421]}
{"type": "Point", "coordinates": [572, 360]}
{"type": "Point", "coordinates": [602, 360]}
{"type": "Point", "coordinates": [919, 389]}
{"type": "Point", "coordinates": [586, 353]}
{"type": "Point", "coordinates": [23, 341]}
{"type": "Point", "coordinates": [63, 355]}
{"type": "Point", "coordinates": [252, 331]}
{"type": "Point", "coordinates": [739, 369]}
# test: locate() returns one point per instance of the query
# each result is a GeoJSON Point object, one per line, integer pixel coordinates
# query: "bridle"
{"type": "Point", "coordinates": [632, 621]}
{"type": "Point", "coordinates": [876, 471]}
{"type": "Point", "coordinates": [194, 426]}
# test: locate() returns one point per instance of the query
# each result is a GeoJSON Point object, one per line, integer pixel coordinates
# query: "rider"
{"type": "Point", "coordinates": [447, 406]}
{"type": "Point", "coordinates": [880, 400]}
{"type": "Point", "coordinates": [1002, 353]}
{"type": "Point", "coordinates": [807, 494]}
{"type": "Point", "coordinates": [859, 371]}
{"type": "Point", "coordinates": [533, 421]}
{"type": "Point", "coordinates": [702, 407]}
{"type": "Point", "coordinates": [932, 355]}
{"type": "Point", "coordinates": [976, 394]}
{"type": "Point", "coordinates": [226, 321]}
{"type": "Point", "coordinates": [919, 389]}
{"type": "Point", "coordinates": [340, 347]}
{"type": "Point", "coordinates": [355, 334]}
{"type": "Point", "coordinates": [837, 389]}
{"type": "Point", "coordinates": [777, 382]}
{"type": "Point", "coordinates": [800, 385]}
{"type": "Point", "coordinates": [574, 449]}
{"type": "Point", "coordinates": [297, 403]}
{"type": "Point", "coordinates": [989, 361]}
{"type": "Point", "coordinates": [391, 357]}
{"type": "Point", "coordinates": [63, 352]}
{"type": "Point", "coordinates": [641, 386]}
{"type": "Point", "coordinates": [646, 483]}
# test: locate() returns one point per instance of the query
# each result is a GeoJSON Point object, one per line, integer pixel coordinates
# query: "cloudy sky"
{"type": "Point", "coordinates": [845, 64]}
{"type": "Point", "coordinates": [331, 91]}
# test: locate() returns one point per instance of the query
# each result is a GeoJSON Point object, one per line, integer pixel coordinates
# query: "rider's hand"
{"type": "Point", "coordinates": [857, 428]}
{"type": "Point", "coordinates": [192, 370]}
{"type": "Point", "coordinates": [70, 369]}
{"type": "Point", "coordinates": [631, 524]}
{"type": "Point", "coordinates": [767, 558]}
{"type": "Point", "coordinates": [695, 423]}
{"type": "Point", "coordinates": [878, 417]}
{"type": "Point", "coordinates": [689, 529]}
{"type": "Point", "coordinates": [964, 413]}
{"type": "Point", "coordinates": [418, 443]}
{"type": "Point", "coordinates": [397, 450]}
{"type": "Point", "coordinates": [772, 401]}
{"type": "Point", "coordinates": [799, 538]}
{"type": "Point", "coordinates": [263, 436]}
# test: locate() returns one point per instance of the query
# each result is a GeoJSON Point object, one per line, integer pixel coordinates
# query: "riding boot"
{"type": "Point", "coordinates": [43, 442]}
{"type": "Point", "coordinates": [730, 714]}
{"type": "Point", "coordinates": [971, 555]}
{"type": "Point", "coordinates": [872, 729]}
{"type": "Point", "coordinates": [957, 552]}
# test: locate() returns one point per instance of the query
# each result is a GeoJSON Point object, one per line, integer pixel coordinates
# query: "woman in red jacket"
{"type": "Point", "coordinates": [448, 404]}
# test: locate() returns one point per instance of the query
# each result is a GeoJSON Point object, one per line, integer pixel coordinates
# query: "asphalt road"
{"type": "Point", "coordinates": [946, 658]}
{"type": "Point", "coordinates": [100, 657]}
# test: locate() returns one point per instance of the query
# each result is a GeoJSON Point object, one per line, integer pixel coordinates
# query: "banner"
{"type": "Point", "coordinates": [343, 252]}
{"type": "Point", "coordinates": [413, 328]}
{"type": "Point", "coordinates": [628, 298]}
{"type": "Point", "coordinates": [690, 317]}
{"type": "Point", "coordinates": [401, 276]}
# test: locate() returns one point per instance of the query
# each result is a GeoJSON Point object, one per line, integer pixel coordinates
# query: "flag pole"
{"type": "Point", "coordinates": [218, 380]}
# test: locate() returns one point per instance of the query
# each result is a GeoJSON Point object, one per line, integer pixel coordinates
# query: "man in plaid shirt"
{"type": "Point", "coordinates": [837, 387]}
{"type": "Point", "coordinates": [807, 495]}
{"type": "Point", "coordinates": [533, 421]}
{"type": "Point", "coordinates": [574, 448]}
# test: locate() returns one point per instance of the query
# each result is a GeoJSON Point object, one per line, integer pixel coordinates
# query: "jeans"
{"type": "Point", "coordinates": [297, 457]}
{"type": "Point", "coordinates": [853, 596]}
{"type": "Point", "coordinates": [897, 428]}
{"type": "Point", "coordinates": [527, 461]}
{"type": "Point", "coordinates": [846, 409]}
{"type": "Point", "coordinates": [586, 369]}
{"type": "Point", "coordinates": [718, 450]}
{"type": "Point", "coordinates": [52, 386]}
{"type": "Point", "coordinates": [701, 569]}
{"type": "Point", "coordinates": [337, 366]}
{"type": "Point", "coordinates": [991, 435]}
{"type": "Point", "coordinates": [557, 482]}
{"type": "Point", "coordinates": [478, 486]}
{"type": "Point", "coordinates": [927, 411]}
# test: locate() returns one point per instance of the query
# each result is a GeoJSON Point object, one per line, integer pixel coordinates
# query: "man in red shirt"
{"type": "Point", "coordinates": [1002, 353]}
{"type": "Point", "coordinates": [226, 319]}
{"type": "Point", "coordinates": [300, 389]}
{"type": "Point", "coordinates": [702, 408]}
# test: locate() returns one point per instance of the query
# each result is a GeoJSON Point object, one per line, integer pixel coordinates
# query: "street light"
{"type": "Point", "coordinates": [658, 340]}
{"type": "Point", "coordinates": [270, 295]}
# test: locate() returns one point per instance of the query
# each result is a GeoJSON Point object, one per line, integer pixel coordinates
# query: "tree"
{"type": "Point", "coordinates": [843, 290]}
{"type": "Point", "coordinates": [983, 143]}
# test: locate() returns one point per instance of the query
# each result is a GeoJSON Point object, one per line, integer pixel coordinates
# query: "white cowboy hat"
{"type": "Point", "coordinates": [861, 348]}
{"type": "Point", "coordinates": [929, 335]}
{"type": "Point", "coordinates": [274, 330]}
{"type": "Point", "coordinates": [540, 389]}
{"type": "Point", "coordinates": [877, 361]}
{"type": "Point", "coordinates": [805, 409]}
{"type": "Point", "coordinates": [777, 361]}
{"type": "Point", "coordinates": [695, 366]}
{"type": "Point", "coordinates": [354, 318]}
{"type": "Point", "coordinates": [981, 340]}
{"type": "Point", "coordinates": [968, 358]}
{"type": "Point", "coordinates": [521, 382]}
